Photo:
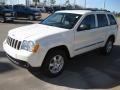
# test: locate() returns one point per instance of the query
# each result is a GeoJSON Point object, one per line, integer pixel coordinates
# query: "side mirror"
{"type": "Point", "coordinates": [83, 27]}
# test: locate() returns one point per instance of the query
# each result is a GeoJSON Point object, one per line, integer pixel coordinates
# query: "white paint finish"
{"type": "Point", "coordinates": [74, 11]}
{"type": "Point", "coordinates": [49, 37]}
{"type": "Point", "coordinates": [34, 30]}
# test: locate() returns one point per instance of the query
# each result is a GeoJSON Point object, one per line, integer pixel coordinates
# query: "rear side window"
{"type": "Point", "coordinates": [112, 20]}
{"type": "Point", "coordinates": [15, 7]}
{"type": "Point", "coordinates": [102, 20]}
{"type": "Point", "coordinates": [89, 20]}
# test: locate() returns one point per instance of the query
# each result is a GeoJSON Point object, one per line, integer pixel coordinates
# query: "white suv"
{"type": "Point", "coordinates": [62, 35]}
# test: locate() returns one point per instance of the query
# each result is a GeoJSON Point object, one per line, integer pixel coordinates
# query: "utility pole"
{"type": "Point", "coordinates": [60, 3]}
{"type": "Point", "coordinates": [74, 3]}
{"type": "Point", "coordinates": [105, 4]}
{"type": "Point", "coordinates": [44, 3]}
{"type": "Point", "coordinates": [27, 2]}
{"type": "Point", "coordinates": [85, 4]}
{"type": "Point", "coordinates": [67, 2]}
{"type": "Point", "coordinates": [18, 1]}
{"type": "Point", "coordinates": [11, 2]}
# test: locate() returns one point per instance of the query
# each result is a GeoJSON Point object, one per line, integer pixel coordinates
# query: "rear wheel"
{"type": "Point", "coordinates": [54, 63]}
{"type": "Point", "coordinates": [106, 50]}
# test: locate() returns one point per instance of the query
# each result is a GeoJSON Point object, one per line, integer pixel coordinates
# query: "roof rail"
{"type": "Point", "coordinates": [95, 9]}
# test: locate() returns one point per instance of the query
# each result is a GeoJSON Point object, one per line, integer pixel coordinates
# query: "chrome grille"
{"type": "Point", "coordinates": [13, 43]}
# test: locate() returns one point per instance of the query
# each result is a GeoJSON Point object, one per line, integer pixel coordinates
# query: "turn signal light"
{"type": "Point", "coordinates": [35, 48]}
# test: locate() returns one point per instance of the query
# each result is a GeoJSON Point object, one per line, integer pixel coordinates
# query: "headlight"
{"type": "Point", "coordinates": [29, 46]}
{"type": "Point", "coordinates": [7, 14]}
{"type": "Point", "coordinates": [36, 13]}
{"type": "Point", "coordinates": [24, 45]}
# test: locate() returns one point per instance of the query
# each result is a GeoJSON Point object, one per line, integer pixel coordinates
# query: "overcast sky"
{"type": "Point", "coordinates": [112, 5]}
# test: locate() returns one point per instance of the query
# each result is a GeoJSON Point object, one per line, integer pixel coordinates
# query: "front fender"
{"type": "Point", "coordinates": [59, 40]}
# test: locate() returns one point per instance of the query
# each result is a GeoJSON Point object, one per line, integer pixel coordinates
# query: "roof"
{"type": "Point", "coordinates": [81, 11]}
{"type": "Point", "coordinates": [74, 11]}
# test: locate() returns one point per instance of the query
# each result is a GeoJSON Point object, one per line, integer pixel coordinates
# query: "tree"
{"type": "Point", "coordinates": [52, 2]}
{"type": "Point", "coordinates": [27, 2]}
{"type": "Point", "coordinates": [36, 1]}
{"type": "Point", "coordinates": [2, 2]}
{"type": "Point", "coordinates": [67, 3]}
{"type": "Point", "coordinates": [44, 2]}
{"type": "Point", "coordinates": [78, 7]}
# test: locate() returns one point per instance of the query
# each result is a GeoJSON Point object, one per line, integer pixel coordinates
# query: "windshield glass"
{"type": "Point", "coordinates": [2, 7]}
{"type": "Point", "coordinates": [62, 20]}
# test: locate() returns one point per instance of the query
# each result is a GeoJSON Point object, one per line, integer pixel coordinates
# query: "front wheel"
{"type": "Point", "coordinates": [54, 63]}
{"type": "Point", "coordinates": [31, 17]}
{"type": "Point", "coordinates": [106, 50]}
{"type": "Point", "coordinates": [2, 20]}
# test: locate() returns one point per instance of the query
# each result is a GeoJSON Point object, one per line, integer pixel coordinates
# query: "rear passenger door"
{"type": "Point", "coordinates": [113, 24]}
{"type": "Point", "coordinates": [102, 27]}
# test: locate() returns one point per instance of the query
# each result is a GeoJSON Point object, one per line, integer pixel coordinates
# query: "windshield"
{"type": "Point", "coordinates": [62, 20]}
{"type": "Point", "coordinates": [2, 7]}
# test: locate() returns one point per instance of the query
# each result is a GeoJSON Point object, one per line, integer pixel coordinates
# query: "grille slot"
{"type": "Point", "coordinates": [13, 43]}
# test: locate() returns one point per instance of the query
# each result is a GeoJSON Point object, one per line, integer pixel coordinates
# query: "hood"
{"type": "Point", "coordinates": [34, 10]}
{"type": "Point", "coordinates": [30, 31]}
{"type": "Point", "coordinates": [8, 10]}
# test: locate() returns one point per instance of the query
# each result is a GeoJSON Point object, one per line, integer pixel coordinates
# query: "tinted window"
{"type": "Point", "coordinates": [102, 20]}
{"type": "Point", "coordinates": [111, 19]}
{"type": "Point", "coordinates": [62, 20]}
{"type": "Point", "coordinates": [1, 7]}
{"type": "Point", "coordinates": [57, 18]}
{"type": "Point", "coordinates": [89, 20]}
{"type": "Point", "coordinates": [16, 7]}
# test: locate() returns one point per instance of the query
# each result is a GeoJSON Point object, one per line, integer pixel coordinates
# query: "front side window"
{"type": "Point", "coordinates": [112, 20]}
{"type": "Point", "coordinates": [89, 21]}
{"type": "Point", "coordinates": [62, 20]}
{"type": "Point", "coordinates": [102, 20]}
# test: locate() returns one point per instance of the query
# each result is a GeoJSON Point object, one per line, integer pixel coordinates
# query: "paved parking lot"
{"type": "Point", "coordinates": [87, 71]}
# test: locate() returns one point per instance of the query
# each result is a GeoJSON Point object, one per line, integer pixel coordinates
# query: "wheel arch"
{"type": "Point", "coordinates": [113, 37]}
{"type": "Point", "coordinates": [61, 47]}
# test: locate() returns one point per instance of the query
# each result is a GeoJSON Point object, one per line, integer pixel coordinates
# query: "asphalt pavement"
{"type": "Point", "coordinates": [87, 71]}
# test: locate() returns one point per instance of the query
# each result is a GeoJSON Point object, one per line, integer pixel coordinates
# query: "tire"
{"type": "Point", "coordinates": [31, 17]}
{"type": "Point", "coordinates": [106, 50]}
{"type": "Point", "coordinates": [12, 21]}
{"type": "Point", "coordinates": [54, 63]}
{"type": "Point", "coordinates": [2, 20]}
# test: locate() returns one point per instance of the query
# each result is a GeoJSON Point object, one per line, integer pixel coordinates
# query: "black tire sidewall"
{"type": "Point", "coordinates": [50, 55]}
{"type": "Point", "coordinates": [105, 48]}
{"type": "Point", "coordinates": [4, 20]}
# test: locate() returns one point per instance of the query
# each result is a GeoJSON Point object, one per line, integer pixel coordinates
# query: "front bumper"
{"type": "Point", "coordinates": [18, 62]}
{"type": "Point", "coordinates": [9, 18]}
{"type": "Point", "coordinates": [32, 59]}
{"type": "Point", "coordinates": [38, 17]}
